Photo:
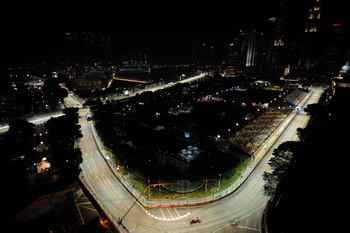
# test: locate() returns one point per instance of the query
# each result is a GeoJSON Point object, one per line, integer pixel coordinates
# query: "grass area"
{"type": "Point", "coordinates": [211, 187]}
{"type": "Point", "coordinates": [241, 166]}
{"type": "Point", "coordinates": [140, 186]}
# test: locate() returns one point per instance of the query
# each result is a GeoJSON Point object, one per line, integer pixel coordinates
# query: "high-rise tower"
{"type": "Point", "coordinates": [309, 59]}
{"type": "Point", "coordinates": [313, 17]}
{"type": "Point", "coordinates": [275, 45]}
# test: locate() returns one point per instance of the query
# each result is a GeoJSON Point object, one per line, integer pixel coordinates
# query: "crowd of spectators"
{"type": "Point", "coordinates": [254, 134]}
{"type": "Point", "coordinates": [295, 97]}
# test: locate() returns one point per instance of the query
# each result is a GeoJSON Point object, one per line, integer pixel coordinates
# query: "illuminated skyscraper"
{"type": "Point", "coordinates": [250, 59]}
{"type": "Point", "coordinates": [313, 17]}
{"type": "Point", "coordinates": [275, 45]}
{"type": "Point", "coordinates": [256, 49]}
{"type": "Point", "coordinates": [325, 44]}
{"type": "Point", "coordinates": [245, 53]}
{"type": "Point", "coordinates": [309, 59]}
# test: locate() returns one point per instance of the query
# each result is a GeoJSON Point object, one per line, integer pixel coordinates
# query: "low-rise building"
{"type": "Point", "coordinates": [182, 161]}
{"type": "Point", "coordinates": [94, 80]}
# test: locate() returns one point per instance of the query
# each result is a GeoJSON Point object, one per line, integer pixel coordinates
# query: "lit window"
{"type": "Point", "coordinates": [278, 42]}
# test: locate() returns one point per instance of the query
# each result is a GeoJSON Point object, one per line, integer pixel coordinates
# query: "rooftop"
{"type": "Point", "coordinates": [190, 153]}
{"type": "Point", "coordinates": [94, 75]}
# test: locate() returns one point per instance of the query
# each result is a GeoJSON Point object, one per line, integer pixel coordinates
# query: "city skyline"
{"type": "Point", "coordinates": [211, 116]}
{"type": "Point", "coordinates": [35, 31]}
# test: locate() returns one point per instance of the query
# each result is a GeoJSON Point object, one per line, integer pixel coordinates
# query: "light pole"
{"type": "Point", "coordinates": [120, 220]}
{"type": "Point", "coordinates": [219, 181]}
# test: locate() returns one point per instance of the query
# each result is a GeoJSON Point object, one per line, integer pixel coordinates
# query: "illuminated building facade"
{"type": "Point", "coordinates": [325, 47]}
{"type": "Point", "coordinates": [245, 53]}
{"type": "Point", "coordinates": [274, 60]}
{"type": "Point", "coordinates": [317, 46]}
{"type": "Point", "coordinates": [309, 58]}
{"type": "Point", "coordinates": [255, 53]}
{"type": "Point", "coordinates": [313, 17]}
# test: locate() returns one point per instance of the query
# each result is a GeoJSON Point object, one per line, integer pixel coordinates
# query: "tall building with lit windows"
{"type": "Point", "coordinates": [309, 60]}
{"type": "Point", "coordinates": [274, 60]}
{"type": "Point", "coordinates": [313, 17]}
{"type": "Point", "coordinates": [325, 46]}
{"type": "Point", "coordinates": [255, 55]}
{"type": "Point", "coordinates": [245, 53]}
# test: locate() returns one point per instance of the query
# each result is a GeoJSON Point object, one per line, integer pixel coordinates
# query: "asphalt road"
{"type": "Point", "coordinates": [36, 119]}
{"type": "Point", "coordinates": [244, 207]}
{"type": "Point", "coordinates": [43, 117]}
{"type": "Point", "coordinates": [240, 212]}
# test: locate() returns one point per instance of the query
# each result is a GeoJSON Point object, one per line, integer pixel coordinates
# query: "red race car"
{"type": "Point", "coordinates": [195, 220]}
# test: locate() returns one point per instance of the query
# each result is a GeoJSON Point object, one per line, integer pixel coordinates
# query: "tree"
{"type": "Point", "coordinates": [317, 110]}
{"type": "Point", "coordinates": [64, 134]}
{"type": "Point", "coordinates": [301, 133]}
{"type": "Point", "coordinates": [17, 149]}
{"type": "Point", "coordinates": [53, 92]}
{"type": "Point", "coordinates": [279, 162]}
{"type": "Point", "coordinates": [20, 140]}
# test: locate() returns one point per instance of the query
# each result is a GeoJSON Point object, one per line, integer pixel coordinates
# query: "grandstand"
{"type": "Point", "coordinates": [253, 135]}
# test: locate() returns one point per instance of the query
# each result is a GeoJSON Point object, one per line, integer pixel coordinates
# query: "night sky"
{"type": "Point", "coordinates": [34, 30]}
